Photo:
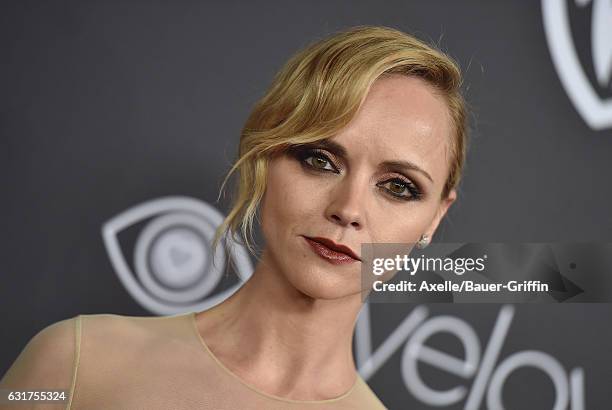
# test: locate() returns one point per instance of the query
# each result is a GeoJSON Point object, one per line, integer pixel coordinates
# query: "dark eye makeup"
{"type": "Point", "coordinates": [315, 159]}
{"type": "Point", "coordinates": [408, 191]}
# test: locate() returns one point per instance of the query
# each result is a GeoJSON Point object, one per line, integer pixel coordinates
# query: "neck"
{"type": "Point", "coordinates": [282, 341]}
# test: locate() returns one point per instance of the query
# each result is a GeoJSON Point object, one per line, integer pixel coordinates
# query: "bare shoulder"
{"type": "Point", "coordinates": [112, 344]}
{"type": "Point", "coordinates": [51, 356]}
{"type": "Point", "coordinates": [107, 329]}
{"type": "Point", "coordinates": [92, 350]}
{"type": "Point", "coordinates": [47, 361]}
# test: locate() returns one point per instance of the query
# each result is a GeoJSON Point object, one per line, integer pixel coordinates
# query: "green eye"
{"type": "Point", "coordinates": [319, 162]}
{"type": "Point", "coordinates": [314, 159]}
{"type": "Point", "coordinates": [400, 189]}
{"type": "Point", "coordinates": [396, 187]}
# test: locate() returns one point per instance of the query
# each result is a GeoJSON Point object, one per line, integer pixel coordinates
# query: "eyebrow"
{"type": "Point", "coordinates": [393, 165]}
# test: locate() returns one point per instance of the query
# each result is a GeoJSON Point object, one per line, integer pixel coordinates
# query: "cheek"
{"type": "Point", "coordinates": [403, 223]}
{"type": "Point", "coordinates": [290, 200]}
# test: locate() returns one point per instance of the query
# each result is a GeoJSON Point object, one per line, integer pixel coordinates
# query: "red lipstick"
{"type": "Point", "coordinates": [332, 252]}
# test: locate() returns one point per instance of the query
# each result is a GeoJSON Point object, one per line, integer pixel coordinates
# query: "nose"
{"type": "Point", "coordinates": [346, 205]}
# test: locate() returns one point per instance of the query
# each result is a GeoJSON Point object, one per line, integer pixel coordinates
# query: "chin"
{"type": "Point", "coordinates": [325, 285]}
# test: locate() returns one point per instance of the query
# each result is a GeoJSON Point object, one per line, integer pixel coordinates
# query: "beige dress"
{"type": "Point", "coordinates": [109, 361]}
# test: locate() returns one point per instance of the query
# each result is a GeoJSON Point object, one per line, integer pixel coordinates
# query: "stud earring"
{"type": "Point", "coordinates": [423, 241]}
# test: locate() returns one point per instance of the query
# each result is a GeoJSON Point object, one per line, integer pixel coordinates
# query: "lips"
{"type": "Point", "coordinates": [331, 251]}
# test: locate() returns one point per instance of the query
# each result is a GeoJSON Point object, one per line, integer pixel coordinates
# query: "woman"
{"type": "Point", "coordinates": [360, 139]}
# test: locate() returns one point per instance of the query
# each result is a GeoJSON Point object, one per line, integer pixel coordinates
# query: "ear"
{"type": "Point", "coordinates": [443, 208]}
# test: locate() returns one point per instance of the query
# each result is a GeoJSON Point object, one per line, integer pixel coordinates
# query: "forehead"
{"type": "Point", "coordinates": [402, 118]}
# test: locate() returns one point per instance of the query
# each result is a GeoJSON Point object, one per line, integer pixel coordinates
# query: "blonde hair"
{"type": "Point", "coordinates": [318, 92]}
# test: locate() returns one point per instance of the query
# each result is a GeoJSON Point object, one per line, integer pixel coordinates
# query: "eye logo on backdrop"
{"type": "Point", "coordinates": [590, 96]}
{"type": "Point", "coordinates": [172, 269]}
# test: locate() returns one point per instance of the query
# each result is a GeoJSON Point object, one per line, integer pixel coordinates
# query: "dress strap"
{"type": "Point", "coordinates": [77, 356]}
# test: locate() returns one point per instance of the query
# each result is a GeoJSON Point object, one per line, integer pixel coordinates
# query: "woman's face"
{"type": "Point", "coordinates": [379, 180]}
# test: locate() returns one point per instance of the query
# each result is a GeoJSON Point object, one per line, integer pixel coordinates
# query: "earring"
{"type": "Point", "coordinates": [423, 241]}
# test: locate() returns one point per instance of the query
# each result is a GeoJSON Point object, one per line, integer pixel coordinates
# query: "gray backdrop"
{"type": "Point", "coordinates": [106, 105]}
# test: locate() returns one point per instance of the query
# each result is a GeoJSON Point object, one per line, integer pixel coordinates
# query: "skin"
{"type": "Point", "coordinates": [288, 331]}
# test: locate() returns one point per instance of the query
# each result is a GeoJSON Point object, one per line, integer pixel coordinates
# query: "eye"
{"type": "Point", "coordinates": [319, 161]}
{"type": "Point", "coordinates": [172, 269]}
{"type": "Point", "coordinates": [401, 189]}
{"type": "Point", "coordinates": [313, 158]}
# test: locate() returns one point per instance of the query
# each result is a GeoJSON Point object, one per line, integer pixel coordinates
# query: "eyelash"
{"type": "Point", "coordinates": [304, 154]}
